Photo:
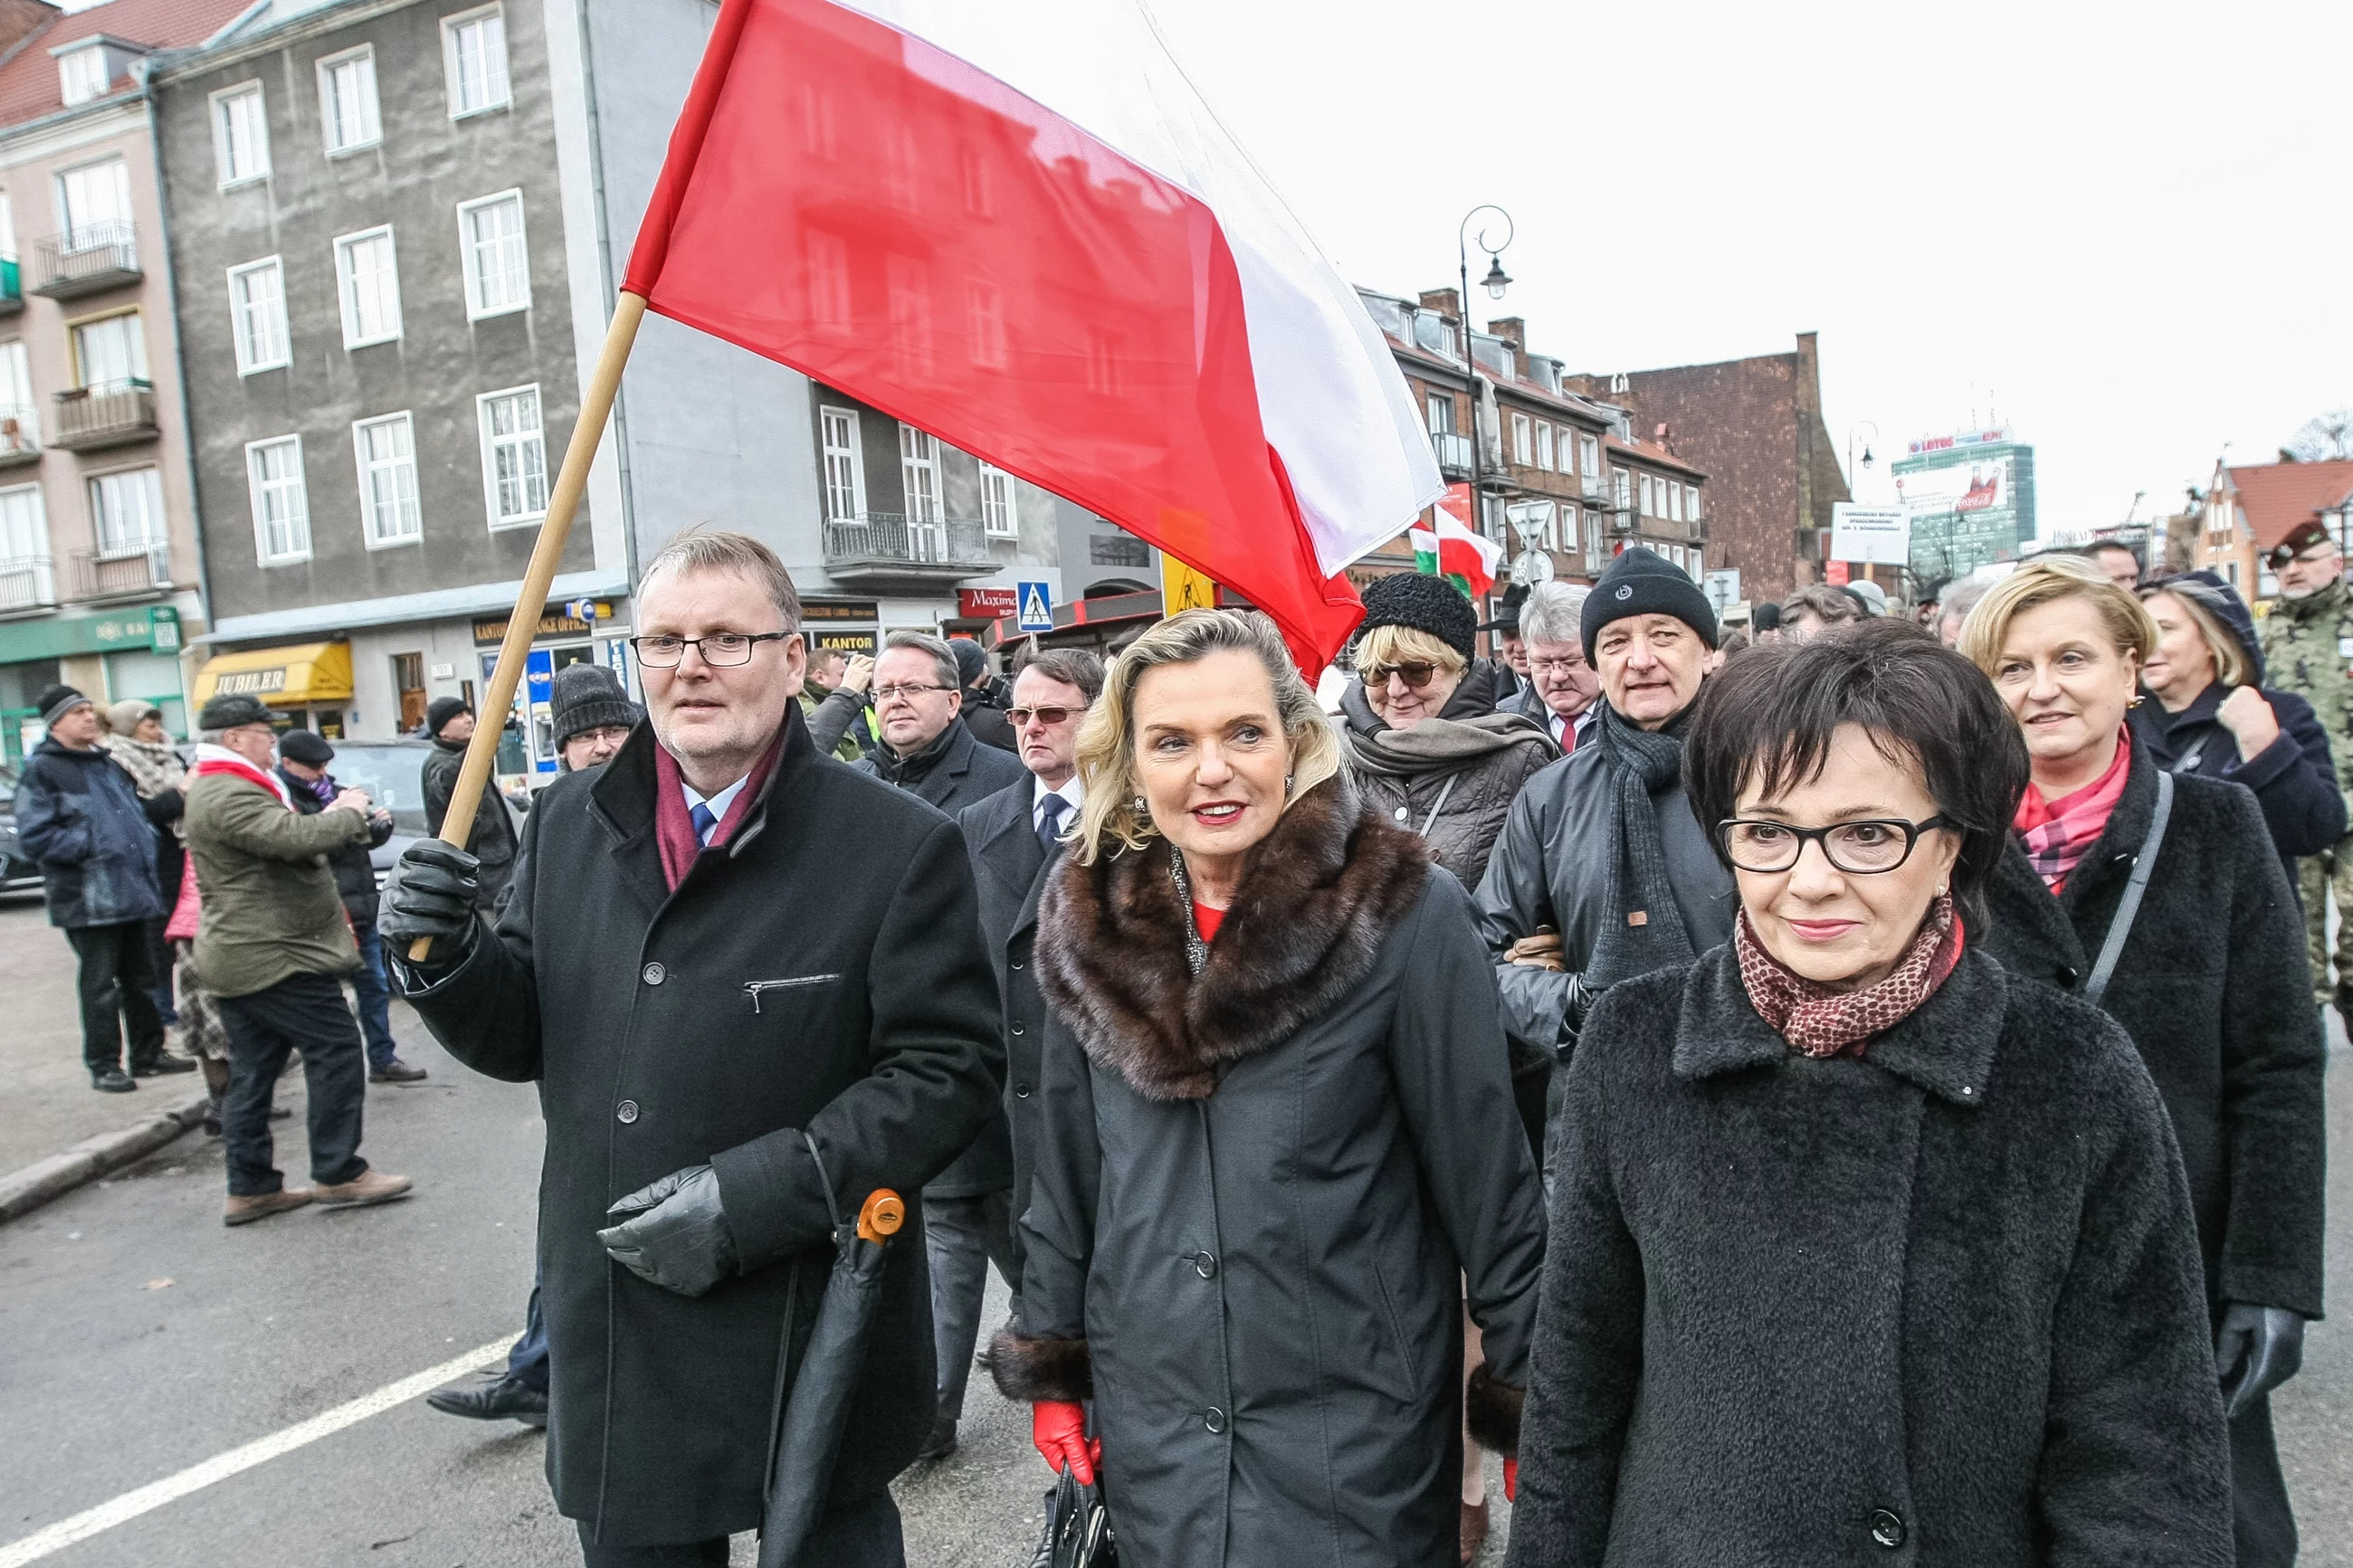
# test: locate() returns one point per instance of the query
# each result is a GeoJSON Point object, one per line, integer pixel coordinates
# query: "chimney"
{"type": "Point", "coordinates": [1512, 329]}
{"type": "Point", "coordinates": [1659, 433]}
{"type": "Point", "coordinates": [1445, 301]}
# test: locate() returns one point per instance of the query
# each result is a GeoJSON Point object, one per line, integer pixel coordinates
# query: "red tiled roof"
{"type": "Point", "coordinates": [2277, 496]}
{"type": "Point", "coordinates": [28, 82]}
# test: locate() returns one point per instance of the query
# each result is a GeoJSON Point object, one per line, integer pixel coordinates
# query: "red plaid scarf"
{"type": "Point", "coordinates": [2059, 833]}
{"type": "Point", "coordinates": [1822, 1022]}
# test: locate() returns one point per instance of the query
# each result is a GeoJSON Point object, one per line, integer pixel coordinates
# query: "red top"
{"type": "Point", "coordinates": [1205, 921]}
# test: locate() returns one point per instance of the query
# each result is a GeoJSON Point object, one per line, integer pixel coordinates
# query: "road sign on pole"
{"type": "Point", "coordinates": [1184, 588]}
{"type": "Point", "coordinates": [1034, 607]}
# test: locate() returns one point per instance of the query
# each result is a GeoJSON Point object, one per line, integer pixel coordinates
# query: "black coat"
{"type": "Point", "coordinates": [78, 815]}
{"type": "Point", "coordinates": [984, 715]}
{"type": "Point", "coordinates": [821, 971]}
{"type": "Point", "coordinates": [1007, 866]}
{"type": "Point", "coordinates": [354, 874]}
{"type": "Point", "coordinates": [2213, 986]}
{"type": "Point", "coordinates": [1259, 1195]}
{"type": "Point", "coordinates": [965, 773]}
{"type": "Point", "coordinates": [1944, 1294]}
{"type": "Point", "coordinates": [493, 841]}
{"type": "Point", "coordinates": [2294, 778]}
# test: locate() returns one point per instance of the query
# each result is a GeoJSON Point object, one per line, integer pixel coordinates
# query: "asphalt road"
{"type": "Point", "coordinates": [139, 1337]}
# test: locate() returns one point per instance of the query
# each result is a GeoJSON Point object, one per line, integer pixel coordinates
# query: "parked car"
{"type": "Point", "coordinates": [20, 873]}
{"type": "Point", "coordinates": [393, 772]}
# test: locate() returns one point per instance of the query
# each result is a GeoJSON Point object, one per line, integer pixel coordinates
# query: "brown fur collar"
{"type": "Point", "coordinates": [1491, 1410]}
{"type": "Point", "coordinates": [1032, 1367]}
{"type": "Point", "coordinates": [1318, 897]}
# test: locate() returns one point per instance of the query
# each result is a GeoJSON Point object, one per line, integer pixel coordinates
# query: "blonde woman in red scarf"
{"type": "Point", "coordinates": [2173, 880]}
{"type": "Point", "coordinates": [1860, 1243]}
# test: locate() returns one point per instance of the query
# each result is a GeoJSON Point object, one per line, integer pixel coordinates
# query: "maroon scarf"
{"type": "Point", "coordinates": [1821, 1021]}
{"type": "Point", "coordinates": [674, 830]}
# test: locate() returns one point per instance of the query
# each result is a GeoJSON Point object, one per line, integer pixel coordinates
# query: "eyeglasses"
{"type": "Point", "coordinates": [1415, 675]}
{"type": "Point", "coordinates": [1568, 665]}
{"type": "Point", "coordinates": [885, 693]}
{"type": "Point", "coordinates": [1021, 718]}
{"type": "Point", "coordinates": [1865, 848]}
{"type": "Point", "coordinates": [720, 650]}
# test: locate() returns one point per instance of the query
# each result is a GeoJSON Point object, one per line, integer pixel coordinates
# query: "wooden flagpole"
{"type": "Point", "coordinates": [539, 579]}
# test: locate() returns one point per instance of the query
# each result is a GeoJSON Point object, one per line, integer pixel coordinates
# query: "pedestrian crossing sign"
{"type": "Point", "coordinates": [1033, 607]}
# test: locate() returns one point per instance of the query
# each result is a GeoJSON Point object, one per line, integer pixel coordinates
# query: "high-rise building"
{"type": "Point", "coordinates": [1972, 496]}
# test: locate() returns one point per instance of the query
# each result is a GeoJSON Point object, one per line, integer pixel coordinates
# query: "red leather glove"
{"type": "Point", "coordinates": [1510, 1479]}
{"type": "Point", "coordinates": [1059, 1427]}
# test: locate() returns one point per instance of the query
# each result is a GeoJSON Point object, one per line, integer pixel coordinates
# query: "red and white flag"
{"type": "Point", "coordinates": [1452, 549]}
{"type": "Point", "coordinates": [1016, 226]}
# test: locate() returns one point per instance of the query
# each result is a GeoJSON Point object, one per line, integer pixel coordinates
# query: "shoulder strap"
{"type": "Point", "coordinates": [2144, 863]}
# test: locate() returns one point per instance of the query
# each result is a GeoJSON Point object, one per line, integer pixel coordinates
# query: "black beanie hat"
{"type": "Point", "coordinates": [57, 702]}
{"type": "Point", "coordinates": [1640, 583]}
{"type": "Point", "coordinates": [441, 711]}
{"type": "Point", "coordinates": [972, 660]}
{"type": "Point", "coordinates": [588, 696]}
{"type": "Point", "coordinates": [302, 746]}
{"type": "Point", "coordinates": [1426, 604]}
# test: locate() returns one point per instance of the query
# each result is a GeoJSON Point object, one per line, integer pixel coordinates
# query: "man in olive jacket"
{"type": "Point", "coordinates": [272, 945]}
{"type": "Point", "coordinates": [750, 985]}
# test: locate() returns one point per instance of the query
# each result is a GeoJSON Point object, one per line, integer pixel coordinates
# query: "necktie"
{"type": "Point", "coordinates": [1049, 822]}
{"type": "Point", "coordinates": [704, 822]}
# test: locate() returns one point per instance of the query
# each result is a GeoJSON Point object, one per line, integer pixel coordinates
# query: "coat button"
{"type": "Point", "coordinates": [1887, 1528]}
{"type": "Point", "coordinates": [1205, 1264]}
{"type": "Point", "coordinates": [655, 973]}
{"type": "Point", "coordinates": [2065, 975]}
{"type": "Point", "coordinates": [1400, 814]}
{"type": "Point", "coordinates": [1016, 1028]}
{"type": "Point", "coordinates": [1016, 965]}
{"type": "Point", "coordinates": [1020, 1091]}
{"type": "Point", "coordinates": [1215, 1420]}
{"type": "Point", "coordinates": [626, 1110]}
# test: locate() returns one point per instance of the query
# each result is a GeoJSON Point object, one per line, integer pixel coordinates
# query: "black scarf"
{"type": "Point", "coordinates": [1645, 929]}
{"type": "Point", "coordinates": [909, 771]}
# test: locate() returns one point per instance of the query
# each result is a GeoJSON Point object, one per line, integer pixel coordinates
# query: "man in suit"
{"type": "Point", "coordinates": [1013, 837]}
{"type": "Point", "coordinates": [918, 700]}
{"type": "Point", "coordinates": [1562, 686]}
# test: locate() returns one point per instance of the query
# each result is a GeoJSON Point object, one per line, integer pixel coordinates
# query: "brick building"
{"type": "Point", "coordinates": [1754, 428]}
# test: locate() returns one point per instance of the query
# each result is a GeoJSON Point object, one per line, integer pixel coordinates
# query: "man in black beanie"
{"type": "Point", "coordinates": [451, 724]}
{"type": "Point", "coordinates": [590, 715]}
{"type": "Point", "coordinates": [1603, 873]}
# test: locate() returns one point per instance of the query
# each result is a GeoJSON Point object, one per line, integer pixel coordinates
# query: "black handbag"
{"type": "Point", "coordinates": [1078, 1531]}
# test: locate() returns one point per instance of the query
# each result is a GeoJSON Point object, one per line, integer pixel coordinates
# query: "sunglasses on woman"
{"type": "Point", "coordinates": [1415, 675]}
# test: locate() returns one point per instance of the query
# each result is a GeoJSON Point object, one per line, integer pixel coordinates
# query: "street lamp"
{"type": "Point", "coordinates": [1853, 430]}
{"type": "Point", "coordinates": [1496, 282]}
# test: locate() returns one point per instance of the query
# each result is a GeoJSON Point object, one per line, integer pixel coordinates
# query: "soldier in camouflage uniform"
{"type": "Point", "coordinates": [2308, 645]}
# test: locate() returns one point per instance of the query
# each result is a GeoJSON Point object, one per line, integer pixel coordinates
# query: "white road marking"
{"type": "Point", "coordinates": [260, 1451]}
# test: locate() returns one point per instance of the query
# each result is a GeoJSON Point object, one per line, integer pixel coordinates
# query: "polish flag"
{"type": "Point", "coordinates": [1016, 226]}
{"type": "Point", "coordinates": [1453, 548]}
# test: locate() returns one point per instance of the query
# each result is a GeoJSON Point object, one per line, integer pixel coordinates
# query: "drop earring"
{"type": "Point", "coordinates": [1286, 786]}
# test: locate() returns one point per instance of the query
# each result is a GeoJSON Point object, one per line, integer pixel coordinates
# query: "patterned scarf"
{"type": "Point", "coordinates": [1821, 1021]}
{"type": "Point", "coordinates": [1643, 928]}
{"type": "Point", "coordinates": [2057, 834]}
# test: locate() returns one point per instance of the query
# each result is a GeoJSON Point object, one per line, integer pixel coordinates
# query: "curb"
{"type": "Point", "coordinates": [23, 1191]}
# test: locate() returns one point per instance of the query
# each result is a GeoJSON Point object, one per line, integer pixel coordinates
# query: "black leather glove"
{"type": "Point", "coordinates": [2255, 1351]}
{"type": "Point", "coordinates": [1578, 1007]}
{"type": "Point", "coordinates": [674, 1233]}
{"type": "Point", "coordinates": [430, 893]}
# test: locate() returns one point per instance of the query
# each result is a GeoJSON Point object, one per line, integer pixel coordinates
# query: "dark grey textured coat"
{"type": "Point", "coordinates": [875, 1029]}
{"type": "Point", "coordinates": [2214, 988]}
{"type": "Point", "coordinates": [1458, 810]}
{"type": "Point", "coordinates": [1007, 862]}
{"type": "Point", "coordinates": [1257, 1196]}
{"type": "Point", "coordinates": [1937, 1305]}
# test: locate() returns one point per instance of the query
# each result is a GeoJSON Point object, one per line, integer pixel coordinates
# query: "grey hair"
{"type": "Point", "coordinates": [212, 737]}
{"type": "Point", "coordinates": [941, 655]}
{"type": "Point", "coordinates": [1070, 666]}
{"type": "Point", "coordinates": [1554, 612]}
{"type": "Point", "coordinates": [1960, 598]}
{"type": "Point", "coordinates": [720, 550]}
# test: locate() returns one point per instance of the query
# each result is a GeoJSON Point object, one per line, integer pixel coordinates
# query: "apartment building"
{"type": "Point", "coordinates": [2251, 507]}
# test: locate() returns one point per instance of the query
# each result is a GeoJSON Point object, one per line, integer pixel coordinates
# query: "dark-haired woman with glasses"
{"type": "Point", "coordinates": [1863, 1248]}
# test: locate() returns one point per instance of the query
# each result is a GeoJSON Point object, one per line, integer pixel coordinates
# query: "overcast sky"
{"type": "Point", "coordinates": [2130, 228]}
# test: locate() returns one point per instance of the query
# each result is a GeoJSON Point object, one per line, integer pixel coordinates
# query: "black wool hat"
{"type": "Point", "coordinates": [588, 696]}
{"type": "Point", "coordinates": [1640, 583]}
{"type": "Point", "coordinates": [231, 712]}
{"type": "Point", "coordinates": [972, 660]}
{"type": "Point", "coordinates": [441, 711]}
{"type": "Point", "coordinates": [1507, 610]}
{"type": "Point", "coordinates": [1425, 604]}
{"type": "Point", "coordinates": [57, 702]}
{"type": "Point", "coordinates": [302, 746]}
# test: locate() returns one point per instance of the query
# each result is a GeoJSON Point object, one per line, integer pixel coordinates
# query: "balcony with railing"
{"type": "Point", "coordinates": [84, 260]}
{"type": "Point", "coordinates": [1594, 488]}
{"type": "Point", "coordinates": [26, 582]}
{"type": "Point", "coordinates": [1453, 454]}
{"type": "Point", "coordinates": [107, 415]}
{"type": "Point", "coordinates": [888, 546]}
{"type": "Point", "coordinates": [131, 571]}
{"type": "Point", "coordinates": [18, 444]}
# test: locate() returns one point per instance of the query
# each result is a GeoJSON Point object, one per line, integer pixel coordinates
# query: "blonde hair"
{"type": "Point", "coordinates": [2230, 656]}
{"type": "Point", "coordinates": [1408, 645]}
{"type": "Point", "coordinates": [1107, 738]}
{"type": "Point", "coordinates": [2047, 581]}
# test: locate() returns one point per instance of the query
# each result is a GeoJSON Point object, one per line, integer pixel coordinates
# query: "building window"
{"type": "Point", "coordinates": [514, 457]}
{"type": "Point", "coordinates": [257, 313]}
{"type": "Point", "coordinates": [1442, 413]}
{"type": "Point", "coordinates": [1589, 456]}
{"type": "Point", "coordinates": [386, 450]}
{"type": "Point", "coordinates": [1622, 488]}
{"type": "Point", "coordinates": [1543, 446]}
{"type": "Point", "coordinates": [126, 513]}
{"type": "Point", "coordinates": [281, 507]}
{"type": "Point", "coordinates": [94, 205]}
{"type": "Point", "coordinates": [1644, 485]}
{"type": "Point", "coordinates": [20, 417]}
{"type": "Point", "coordinates": [81, 74]}
{"type": "Point", "coordinates": [474, 52]}
{"type": "Point", "coordinates": [240, 134]}
{"type": "Point", "coordinates": [111, 353]}
{"type": "Point", "coordinates": [367, 277]}
{"type": "Point", "coordinates": [1593, 541]}
{"type": "Point", "coordinates": [1674, 500]}
{"type": "Point", "coordinates": [347, 100]}
{"type": "Point", "coordinates": [1691, 502]}
{"type": "Point", "coordinates": [27, 571]}
{"type": "Point", "coordinates": [1523, 441]}
{"type": "Point", "coordinates": [497, 262]}
{"type": "Point", "coordinates": [999, 517]}
{"type": "Point", "coordinates": [845, 472]}
{"type": "Point", "coordinates": [919, 466]}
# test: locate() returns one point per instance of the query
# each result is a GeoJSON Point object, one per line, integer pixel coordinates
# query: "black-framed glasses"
{"type": "Point", "coordinates": [720, 650]}
{"type": "Point", "coordinates": [911, 691]}
{"type": "Point", "coordinates": [1021, 718]}
{"type": "Point", "coordinates": [1865, 848]}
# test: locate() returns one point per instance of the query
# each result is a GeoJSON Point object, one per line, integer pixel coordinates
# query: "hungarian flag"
{"type": "Point", "coordinates": [1015, 225]}
{"type": "Point", "coordinates": [1454, 550]}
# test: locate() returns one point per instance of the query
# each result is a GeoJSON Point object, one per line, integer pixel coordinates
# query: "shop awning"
{"type": "Point", "coordinates": [281, 677]}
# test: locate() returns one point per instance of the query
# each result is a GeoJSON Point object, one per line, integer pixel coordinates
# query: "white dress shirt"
{"type": "Point", "coordinates": [717, 804]}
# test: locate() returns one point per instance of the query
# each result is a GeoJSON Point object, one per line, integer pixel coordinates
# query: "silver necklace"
{"type": "Point", "coordinates": [1196, 952]}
